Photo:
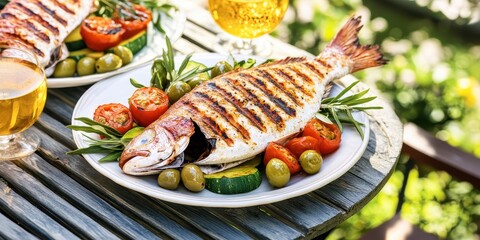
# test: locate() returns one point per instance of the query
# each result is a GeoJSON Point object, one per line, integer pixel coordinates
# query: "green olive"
{"type": "Point", "coordinates": [196, 81]}
{"type": "Point", "coordinates": [277, 172]}
{"type": "Point", "coordinates": [220, 68]}
{"type": "Point", "coordinates": [169, 179]}
{"type": "Point", "coordinates": [176, 90]}
{"type": "Point", "coordinates": [124, 53]}
{"type": "Point", "coordinates": [192, 178]}
{"type": "Point", "coordinates": [108, 62]}
{"type": "Point", "coordinates": [311, 161]}
{"type": "Point", "coordinates": [65, 68]}
{"type": "Point", "coordinates": [86, 66]}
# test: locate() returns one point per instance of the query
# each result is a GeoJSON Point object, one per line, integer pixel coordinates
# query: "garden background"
{"type": "Point", "coordinates": [432, 80]}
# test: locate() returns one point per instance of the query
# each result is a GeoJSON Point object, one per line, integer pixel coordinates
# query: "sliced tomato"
{"type": "Point", "coordinates": [301, 144]}
{"type": "Point", "coordinates": [147, 105]}
{"type": "Point", "coordinates": [327, 134]}
{"type": "Point", "coordinates": [134, 23]}
{"type": "Point", "coordinates": [114, 115]}
{"type": "Point", "coordinates": [100, 33]}
{"type": "Point", "coordinates": [275, 150]}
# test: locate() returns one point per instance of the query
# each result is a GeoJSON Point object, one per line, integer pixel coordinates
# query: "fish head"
{"type": "Point", "coordinates": [143, 154]}
{"type": "Point", "coordinates": [155, 148]}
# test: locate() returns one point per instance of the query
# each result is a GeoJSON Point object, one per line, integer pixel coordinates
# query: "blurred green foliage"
{"type": "Point", "coordinates": [433, 80]}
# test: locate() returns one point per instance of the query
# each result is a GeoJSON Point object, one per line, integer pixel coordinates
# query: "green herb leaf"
{"type": "Point", "coordinates": [339, 109]}
{"type": "Point", "coordinates": [113, 156]}
{"type": "Point", "coordinates": [135, 83]}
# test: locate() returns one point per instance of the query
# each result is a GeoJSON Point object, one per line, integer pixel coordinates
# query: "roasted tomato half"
{"type": "Point", "coordinates": [147, 104]}
{"type": "Point", "coordinates": [100, 33]}
{"type": "Point", "coordinates": [327, 134]}
{"type": "Point", "coordinates": [275, 150]}
{"type": "Point", "coordinates": [114, 115]}
{"type": "Point", "coordinates": [133, 23]}
{"type": "Point", "coordinates": [301, 144]}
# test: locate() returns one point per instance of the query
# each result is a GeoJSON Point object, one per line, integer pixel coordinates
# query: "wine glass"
{"type": "Point", "coordinates": [23, 92]}
{"type": "Point", "coordinates": [248, 20]}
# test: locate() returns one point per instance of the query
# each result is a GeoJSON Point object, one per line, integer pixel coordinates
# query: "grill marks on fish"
{"type": "Point", "coordinates": [261, 83]}
{"type": "Point", "coordinates": [14, 36]}
{"type": "Point", "coordinates": [208, 117]}
{"type": "Point", "coordinates": [28, 25]}
{"type": "Point", "coordinates": [280, 85]}
{"type": "Point", "coordinates": [64, 7]}
{"type": "Point", "coordinates": [239, 105]}
{"type": "Point", "coordinates": [289, 78]}
{"type": "Point", "coordinates": [35, 17]}
{"type": "Point", "coordinates": [222, 111]}
{"type": "Point", "coordinates": [254, 96]}
{"type": "Point", "coordinates": [264, 98]}
{"type": "Point", "coordinates": [52, 13]}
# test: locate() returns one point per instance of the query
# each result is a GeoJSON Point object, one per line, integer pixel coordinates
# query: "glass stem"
{"type": "Point", "coordinates": [247, 44]}
{"type": "Point", "coordinates": [6, 140]}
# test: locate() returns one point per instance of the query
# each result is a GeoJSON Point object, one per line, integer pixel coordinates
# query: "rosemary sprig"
{"type": "Point", "coordinates": [112, 145]}
{"type": "Point", "coordinates": [163, 69]}
{"type": "Point", "coordinates": [339, 109]}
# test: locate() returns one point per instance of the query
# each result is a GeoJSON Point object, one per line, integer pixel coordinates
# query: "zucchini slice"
{"type": "Point", "coordinates": [136, 43]}
{"type": "Point", "coordinates": [79, 54]}
{"type": "Point", "coordinates": [235, 180]}
{"type": "Point", "coordinates": [74, 40]}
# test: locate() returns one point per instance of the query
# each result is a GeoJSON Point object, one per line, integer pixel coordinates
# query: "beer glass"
{"type": "Point", "coordinates": [23, 92]}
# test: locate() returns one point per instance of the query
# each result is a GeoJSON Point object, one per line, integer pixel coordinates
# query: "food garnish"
{"type": "Point", "coordinates": [340, 109]}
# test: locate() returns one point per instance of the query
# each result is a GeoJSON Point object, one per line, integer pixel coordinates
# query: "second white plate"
{"type": "Point", "coordinates": [156, 42]}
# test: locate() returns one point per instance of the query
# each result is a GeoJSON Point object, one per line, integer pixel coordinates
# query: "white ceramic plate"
{"type": "Point", "coordinates": [155, 43]}
{"type": "Point", "coordinates": [118, 89]}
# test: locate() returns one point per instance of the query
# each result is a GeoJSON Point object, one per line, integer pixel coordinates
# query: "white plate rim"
{"type": "Point", "coordinates": [218, 200]}
{"type": "Point", "coordinates": [152, 50]}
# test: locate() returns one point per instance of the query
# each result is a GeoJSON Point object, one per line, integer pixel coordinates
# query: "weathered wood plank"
{"type": "Point", "coordinates": [309, 213]}
{"type": "Point", "coordinates": [256, 221]}
{"type": "Point", "coordinates": [24, 212]}
{"type": "Point", "coordinates": [58, 109]}
{"type": "Point", "coordinates": [137, 205]}
{"type": "Point", "coordinates": [184, 47]}
{"type": "Point", "coordinates": [85, 200]}
{"type": "Point", "coordinates": [11, 230]}
{"type": "Point", "coordinates": [207, 222]}
{"type": "Point", "coordinates": [53, 204]}
{"type": "Point", "coordinates": [70, 95]}
{"type": "Point", "coordinates": [56, 130]}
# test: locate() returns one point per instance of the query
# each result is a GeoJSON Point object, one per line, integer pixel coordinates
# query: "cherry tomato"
{"type": "Point", "coordinates": [301, 144]}
{"type": "Point", "coordinates": [147, 105]}
{"type": "Point", "coordinates": [275, 150]}
{"type": "Point", "coordinates": [134, 24]}
{"type": "Point", "coordinates": [114, 115]}
{"type": "Point", "coordinates": [100, 33]}
{"type": "Point", "coordinates": [327, 134]}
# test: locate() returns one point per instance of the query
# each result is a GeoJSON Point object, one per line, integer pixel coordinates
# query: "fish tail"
{"type": "Point", "coordinates": [358, 56]}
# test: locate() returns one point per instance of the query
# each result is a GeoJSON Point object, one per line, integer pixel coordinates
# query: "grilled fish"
{"type": "Point", "coordinates": [41, 25]}
{"type": "Point", "coordinates": [234, 116]}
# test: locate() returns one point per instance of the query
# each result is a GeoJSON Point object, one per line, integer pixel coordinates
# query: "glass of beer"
{"type": "Point", "coordinates": [23, 92]}
{"type": "Point", "coordinates": [248, 20]}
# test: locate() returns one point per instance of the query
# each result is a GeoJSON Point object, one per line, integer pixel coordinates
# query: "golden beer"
{"type": "Point", "coordinates": [23, 92]}
{"type": "Point", "coordinates": [248, 18]}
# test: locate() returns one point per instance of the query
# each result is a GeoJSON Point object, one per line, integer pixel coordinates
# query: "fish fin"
{"type": "Point", "coordinates": [360, 56]}
{"type": "Point", "coordinates": [285, 61]}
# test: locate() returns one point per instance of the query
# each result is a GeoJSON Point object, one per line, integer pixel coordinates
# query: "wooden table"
{"type": "Point", "coordinates": [52, 195]}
